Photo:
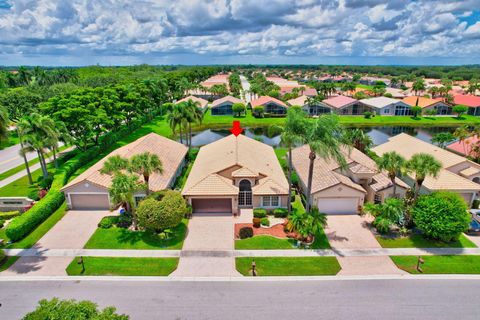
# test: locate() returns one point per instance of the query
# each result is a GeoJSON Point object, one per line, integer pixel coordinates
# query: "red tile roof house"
{"type": "Point", "coordinates": [464, 147]}
{"type": "Point", "coordinates": [202, 103]}
{"type": "Point", "coordinates": [89, 191]}
{"type": "Point", "coordinates": [223, 106]}
{"type": "Point", "coordinates": [472, 102]}
{"type": "Point", "coordinates": [347, 106]}
{"type": "Point", "coordinates": [441, 107]}
{"type": "Point", "coordinates": [270, 105]}
{"type": "Point", "coordinates": [309, 92]}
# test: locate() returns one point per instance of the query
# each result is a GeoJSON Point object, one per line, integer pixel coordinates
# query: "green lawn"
{"type": "Point", "coordinates": [439, 264]}
{"type": "Point", "coordinates": [290, 266]}
{"type": "Point", "coordinates": [11, 141]}
{"type": "Point", "coordinates": [419, 241]}
{"type": "Point", "coordinates": [21, 187]}
{"type": "Point", "coordinates": [39, 232]}
{"type": "Point", "coordinates": [109, 266]}
{"type": "Point", "coordinates": [281, 154]}
{"type": "Point", "coordinates": [7, 263]}
{"type": "Point", "coordinates": [120, 238]}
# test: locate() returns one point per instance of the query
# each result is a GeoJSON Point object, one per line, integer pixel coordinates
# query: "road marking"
{"type": "Point", "coordinates": [9, 160]}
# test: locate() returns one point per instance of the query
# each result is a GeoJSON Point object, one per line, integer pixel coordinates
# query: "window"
{"type": "Point", "coordinates": [270, 201]}
{"type": "Point", "coordinates": [386, 111]}
{"type": "Point", "coordinates": [139, 198]}
{"type": "Point", "coordinates": [377, 198]}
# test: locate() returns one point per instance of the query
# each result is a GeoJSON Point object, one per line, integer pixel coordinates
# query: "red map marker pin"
{"type": "Point", "coordinates": [236, 128]}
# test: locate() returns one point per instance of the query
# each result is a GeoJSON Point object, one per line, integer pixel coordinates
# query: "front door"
{"type": "Point", "coordinates": [245, 194]}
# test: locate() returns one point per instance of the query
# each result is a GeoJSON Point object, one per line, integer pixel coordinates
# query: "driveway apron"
{"type": "Point", "coordinates": [71, 232]}
{"type": "Point", "coordinates": [352, 232]}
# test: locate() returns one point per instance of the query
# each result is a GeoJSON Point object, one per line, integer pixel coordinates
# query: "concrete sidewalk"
{"type": "Point", "coordinates": [383, 252]}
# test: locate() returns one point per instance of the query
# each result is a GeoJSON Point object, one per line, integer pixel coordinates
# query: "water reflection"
{"type": "Point", "coordinates": [379, 135]}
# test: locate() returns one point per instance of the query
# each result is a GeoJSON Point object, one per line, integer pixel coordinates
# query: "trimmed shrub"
{"type": "Point", "coordinates": [159, 215]}
{"type": "Point", "coordinates": [441, 215]}
{"type": "Point", "coordinates": [9, 215]}
{"type": "Point", "coordinates": [108, 222]}
{"type": "Point", "coordinates": [22, 225]}
{"type": "Point", "coordinates": [45, 183]}
{"type": "Point", "coordinates": [33, 194]}
{"type": "Point", "coordinates": [280, 212]}
{"type": "Point", "coordinates": [2, 223]}
{"type": "Point", "coordinates": [265, 222]}
{"type": "Point", "coordinates": [259, 213]}
{"type": "Point", "coordinates": [256, 222]}
{"type": "Point", "coordinates": [367, 114]}
{"type": "Point", "coordinates": [245, 232]}
{"type": "Point", "coordinates": [124, 221]}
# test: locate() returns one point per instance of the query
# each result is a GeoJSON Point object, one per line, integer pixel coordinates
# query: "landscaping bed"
{"type": "Point", "coordinates": [121, 238]}
{"type": "Point", "coordinates": [289, 266]}
{"type": "Point", "coordinates": [110, 266]}
{"type": "Point", "coordinates": [461, 264]}
{"type": "Point", "coordinates": [419, 241]}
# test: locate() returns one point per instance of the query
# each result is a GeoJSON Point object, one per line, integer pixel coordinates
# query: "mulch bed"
{"type": "Point", "coordinates": [274, 231]}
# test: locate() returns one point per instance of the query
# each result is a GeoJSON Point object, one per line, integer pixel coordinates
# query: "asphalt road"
{"type": "Point", "coordinates": [10, 158]}
{"type": "Point", "coordinates": [246, 87]}
{"type": "Point", "coordinates": [346, 299]}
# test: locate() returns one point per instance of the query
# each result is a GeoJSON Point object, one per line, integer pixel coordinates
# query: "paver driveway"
{"type": "Point", "coordinates": [210, 233]}
{"type": "Point", "coordinates": [352, 232]}
{"type": "Point", "coordinates": [71, 232]}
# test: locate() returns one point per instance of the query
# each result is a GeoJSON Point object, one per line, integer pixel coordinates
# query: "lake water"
{"type": "Point", "coordinates": [379, 135]}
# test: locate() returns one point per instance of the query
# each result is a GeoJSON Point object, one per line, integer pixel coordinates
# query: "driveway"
{"type": "Point", "coordinates": [210, 233]}
{"type": "Point", "coordinates": [71, 232]}
{"type": "Point", "coordinates": [352, 232]}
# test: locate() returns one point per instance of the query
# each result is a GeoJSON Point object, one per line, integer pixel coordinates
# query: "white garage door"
{"type": "Point", "coordinates": [89, 201]}
{"type": "Point", "coordinates": [338, 205]}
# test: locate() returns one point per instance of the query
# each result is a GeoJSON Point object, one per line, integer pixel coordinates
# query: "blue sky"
{"type": "Point", "coordinates": [123, 32]}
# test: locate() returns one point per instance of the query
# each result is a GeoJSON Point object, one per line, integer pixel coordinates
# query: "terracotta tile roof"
{"type": "Point", "coordinates": [244, 173]}
{"type": "Point", "coordinates": [170, 152]}
{"type": "Point", "coordinates": [247, 155]}
{"type": "Point", "coordinates": [300, 101]}
{"type": "Point", "coordinates": [339, 101]}
{"type": "Point", "coordinates": [231, 99]}
{"type": "Point", "coordinates": [420, 101]}
{"type": "Point", "coordinates": [203, 103]}
{"type": "Point", "coordinates": [407, 146]}
{"type": "Point", "coordinates": [470, 171]}
{"type": "Point", "coordinates": [465, 147]}
{"type": "Point", "coordinates": [382, 181]}
{"type": "Point", "coordinates": [266, 99]}
{"type": "Point", "coordinates": [468, 100]}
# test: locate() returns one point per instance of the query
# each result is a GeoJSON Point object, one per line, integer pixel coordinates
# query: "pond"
{"type": "Point", "coordinates": [379, 135]}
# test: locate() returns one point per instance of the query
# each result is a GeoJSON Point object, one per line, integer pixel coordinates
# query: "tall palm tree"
{"type": "Point", "coordinates": [418, 85]}
{"type": "Point", "coordinates": [291, 135]}
{"type": "Point", "coordinates": [462, 133]}
{"type": "Point", "coordinates": [192, 114]}
{"type": "Point", "coordinates": [325, 139]}
{"type": "Point", "coordinates": [175, 118]}
{"type": "Point", "coordinates": [422, 165]}
{"type": "Point", "coordinates": [122, 191]}
{"type": "Point", "coordinates": [358, 139]}
{"type": "Point", "coordinates": [145, 164]}
{"type": "Point", "coordinates": [393, 163]}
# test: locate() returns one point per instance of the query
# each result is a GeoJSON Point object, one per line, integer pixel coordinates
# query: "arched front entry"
{"type": "Point", "coordinates": [245, 193]}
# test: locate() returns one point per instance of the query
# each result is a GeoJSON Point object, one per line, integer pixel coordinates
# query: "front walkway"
{"type": "Point", "coordinates": [203, 253]}
{"type": "Point", "coordinates": [71, 232]}
{"type": "Point", "coordinates": [352, 232]}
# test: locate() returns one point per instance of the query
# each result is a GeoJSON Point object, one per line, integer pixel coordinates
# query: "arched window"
{"type": "Point", "coordinates": [476, 180]}
{"type": "Point", "coordinates": [245, 185]}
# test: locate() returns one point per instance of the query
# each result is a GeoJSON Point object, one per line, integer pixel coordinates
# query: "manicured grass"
{"type": "Point", "coordinates": [39, 232]}
{"type": "Point", "coordinates": [419, 241]}
{"type": "Point", "coordinates": [439, 264]}
{"type": "Point", "coordinates": [364, 86]}
{"type": "Point", "coordinates": [120, 238]}
{"type": "Point", "coordinates": [109, 266]}
{"type": "Point", "coordinates": [281, 154]}
{"type": "Point", "coordinates": [264, 242]}
{"type": "Point", "coordinates": [11, 141]}
{"type": "Point", "coordinates": [248, 120]}
{"type": "Point", "coordinates": [290, 266]}
{"type": "Point", "coordinates": [21, 187]}
{"type": "Point", "coordinates": [7, 263]}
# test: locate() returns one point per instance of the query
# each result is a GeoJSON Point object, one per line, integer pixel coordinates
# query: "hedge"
{"type": "Point", "coordinates": [259, 213]}
{"type": "Point", "coordinates": [22, 225]}
{"type": "Point", "coordinates": [9, 215]}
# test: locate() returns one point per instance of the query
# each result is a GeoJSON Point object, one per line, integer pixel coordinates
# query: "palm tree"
{"type": "Point", "coordinates": [175, 118]}
{"type": "Point", "coordinates": [422, 165]}
{"type": "Point", "coordinates": [418, 85]}
{"type": "Point", "coordinates": [325, 139]}
{"type": "Point", "coordinates": [122, 191]}
{"type": "Point", "coordinates": [114, 164]}
{"type": "Point", "coordinates": [358, 139]}
{"type": "Point", "coordinates": [393, 163]}
{"type": "Point", "coordinates": [291, 135]}
{"type": "Point", "coordinates": [145, 164]}
{"type": "Point", "coordinates": [462, 133]}
{"type": "Point", "coordinates": [191, 113]}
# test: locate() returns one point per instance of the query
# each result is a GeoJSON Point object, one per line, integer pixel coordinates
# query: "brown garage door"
{"type": "Point", "coordinates": [89, 201]}
{"type": "Point", "coordinates": [212, 205]}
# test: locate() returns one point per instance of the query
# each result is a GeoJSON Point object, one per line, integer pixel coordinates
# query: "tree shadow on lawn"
{"type": "Point", "coordinates": [153, 239]}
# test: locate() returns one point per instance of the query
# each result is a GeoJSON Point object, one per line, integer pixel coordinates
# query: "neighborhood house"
{"type": "Point", "coordinates": [223, 106]}
{"type": "Point", "coordinates": [458, 174]}
{"type": "Point", "coordinates": [202, 103]}
{"type": "Point", "coordinates": [270, 105]}
{"type": "Point", "coordinates": [387, 106]}
{"type": "Point", "coordinates": [89, 191]}
{"type": "Point", "coordinates": [346, 105]}
{"type": "Point", "coordinates": [234, 173]}
{"type": "Point", "coordinates": [311, 108]}
{"type": "Point", "coordinates": [337, 190]}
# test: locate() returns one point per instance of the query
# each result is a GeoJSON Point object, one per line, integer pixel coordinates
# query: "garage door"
{"type": "Point", "coordinates": [338, 205]}
{"type": "Point", "coordinates": [89, 201]}
{"type": "Point", "coordinates": [212, 205]}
